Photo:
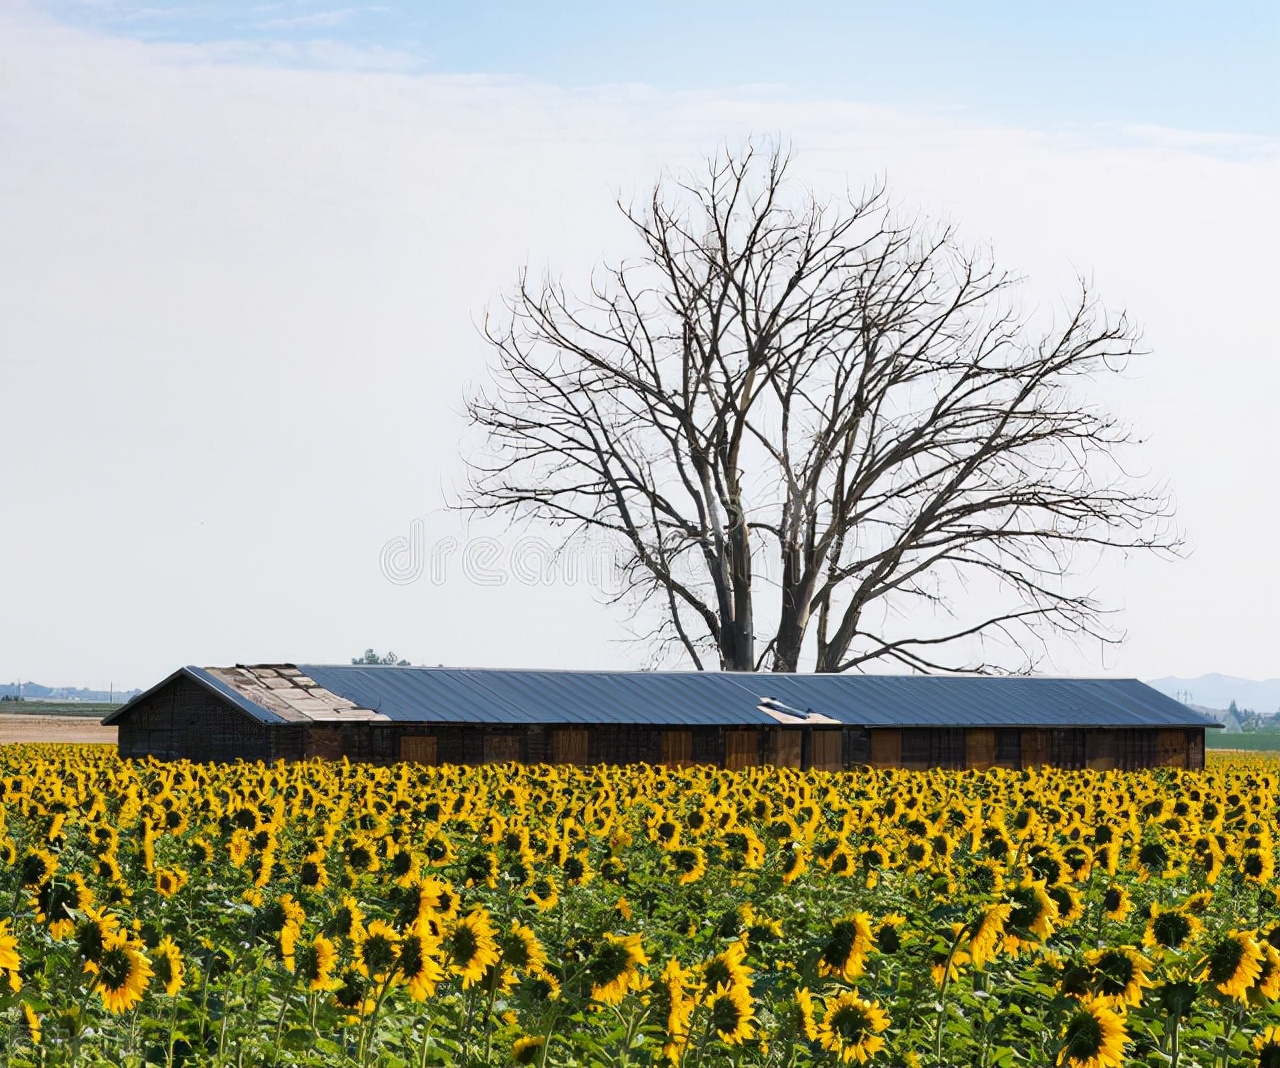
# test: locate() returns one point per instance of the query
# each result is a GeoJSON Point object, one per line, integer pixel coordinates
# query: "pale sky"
{"type": "Point", "coordinates": [243, 249]}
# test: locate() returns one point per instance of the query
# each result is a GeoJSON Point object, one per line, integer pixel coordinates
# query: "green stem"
{"type": "Point", "coordinates": [173, 1021]}
{"type": "Point", "coordinates": [488, 1012]}
{"type": "Point", "coordinates": [284, 1006]}
{"type": "Point", "coordinates": [942, 997]}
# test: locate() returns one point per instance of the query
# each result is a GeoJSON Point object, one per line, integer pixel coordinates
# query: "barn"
{"type": "Point", "coordinates": [473, 716]}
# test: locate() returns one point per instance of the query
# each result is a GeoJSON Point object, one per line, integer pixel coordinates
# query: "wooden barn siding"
{"type": "Point", "coordinates": [184, 720]}
{"type": "Point", "coordinates": [826, 750]}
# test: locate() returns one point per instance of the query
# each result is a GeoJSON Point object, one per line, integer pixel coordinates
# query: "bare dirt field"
{"type": "Point", "coordinates": [20, 728]}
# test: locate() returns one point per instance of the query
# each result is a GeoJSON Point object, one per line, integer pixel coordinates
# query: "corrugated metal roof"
{"type": "Point", "coordinates": [409, 694]}
{"type": "Point", "coordinates": [693, 699]}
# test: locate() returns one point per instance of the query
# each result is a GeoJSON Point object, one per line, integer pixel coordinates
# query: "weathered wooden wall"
{"type": "Point", "coordinates": [185, 720]}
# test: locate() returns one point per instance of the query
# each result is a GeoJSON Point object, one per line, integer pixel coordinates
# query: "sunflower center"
{"type": "Point", "coordinates": [1084, 1037]}
{"type": "Point", "coordinates": [851, 1023]}
{"type": "Point", "coordinates": [1026, 910]}
{"type": "Point", "coordinates": [378, 953]}
{"type": "Point", "coordinates": [463, 945]}
{"type": "Point", "coordinates": [1171, 929]}
{"type": "Point", "coordinates": [114, 968]}
{"type": "Point", "coordinates": [609, 963]}
{"type": "Point", "coordinates": [1115, 973]}
{"type": "Point", "coordinates": [726, 1015]}
{"type": "Point", "coordinates": [1269, 1055]}
{"type": "Point", "coordinates": [411, 956]}
{"type": "Point", "coordinates": [1224, 959]}
{"type": "Point", "coordinates": [839, 946]}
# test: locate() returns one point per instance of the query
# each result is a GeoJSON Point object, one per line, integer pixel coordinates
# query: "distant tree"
{"type": "Point", "coordinates": [818, 432]}
{"type": "Point", "coordinates": [371, 657]}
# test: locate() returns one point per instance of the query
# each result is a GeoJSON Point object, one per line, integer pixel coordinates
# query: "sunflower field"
{"type": "Point", "coordinates": [345, 914]}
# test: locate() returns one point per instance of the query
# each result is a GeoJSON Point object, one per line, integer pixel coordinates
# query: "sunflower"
{"type": "Point", "coordinates": [1116, 903]}
{"type": "Point", "coordinates": [522, 951]}
{"type": "Point", "coordinates": [418, 966]}
{"type": "Point", "coordinates": [841, 862]}
{"type": "Point", "coordinates": [986, 877]}
{"type": "Point", "coordinates": [351, 992]}
{"type": "Point", "coordinates": [1034, 913]}
{"type": "Point", "coordinates": [851, 1027]}
{"type": "Point", "coordinates": [527, 1048]}
{"type": "Point", "coordinates": [727, 969]}
{"type": "Point", "coordinates": [312, 873]}
{"type": "Point", "coordinates": [121, 973]}
{"type": "Point", "coordinates": [9, 960]}
{"type": "Point", "coordinates": [1094, 1037]}
{"type": "Point", "coordinates": [1268, 982]}
{"type": "Point", "coordinates": [238, 848]}
{"type": "Point", "coordinates": [470, 947]}
{"type": "Point", "coordinates": [1119, 975]}
{"type": "Point", "coordinates": [38, 866]}
{"type": "Point", "coordinates": [1069, 907]}
{"type": "Point", "coordinates": [1267, 1047]}
{"type": "Point", "coordinates": [288, 945]}
{"type": "Point", "coordinates": [314, 962]}
{"type": "Point", "coordinates": [30, 1024]}
{"type": "Point", "coordinates": [688, 864]}
{"type": "Point", "coordinates": [984, 943]}
{"type": "Point", "coordinates": [577, 869]}
{"type": "Point", "coordinates": [440, 897]}
{"type": "Point", "coordinates": [794, 863]}
{"type": "Point", "coordinates": [1258, 865]}
{"type": "Point", "coordinates": [168, 966]}
{"type": "Point", "coordinates": [169, 881]}
{"type": "Point", "coordinates": [376, 950]}
{"type": "Point", "coordinates": [673, 1000]}
{"type": "Point", "coordinates": [845, 951]}
{"type": "Point", "coordinates": [543, 894]}
{"type": "Point", "coordinates": [614, 969]}
{"type": "Point", "coordinates": [888, 935]}
{"type": "Point", "coordinates": [807, 1025]}
{"type": "Point", "coordinates": [731, 1012]}
{"type": "Point", "coordinates": [92, 933]}
{"type": "Point", "coordinates": [1170, 928]}
{"type": "Point", "coordinates": [347, 919]}
{"type": "Point", "coordinates": [1232, 964]}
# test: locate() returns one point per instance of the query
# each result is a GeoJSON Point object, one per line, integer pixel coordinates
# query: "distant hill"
{"type": "Point", "coordinates": [33, 691]}
{"type": "Point", "coordinates": [1218, 691]}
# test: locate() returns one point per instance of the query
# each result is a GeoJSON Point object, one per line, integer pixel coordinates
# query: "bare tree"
{"type": "Point", "coordinates": [814, 409]}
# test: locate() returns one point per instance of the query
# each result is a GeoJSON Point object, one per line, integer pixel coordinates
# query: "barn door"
{"type": "Point", "coordinates": [741, 749]}
{"type": "Point", "coordinates": [826, 751]}
{"type": "Point", "coordinates": [1171, 749]}
{"type": "Point", "coordinates": [1195, 748]}
{"type": "Point", "coordinates": [886, 748]}
{"type": "Point", "coordinates": [569, 745]}
{"type": "Point", "coordinates": [677, 748]}
{"type": "Point", "coordinates": [419, 748]}
{"type": "Point", "coordinates": [1035, 748]}
{"type": "Point", "coordinates": [980, 749]}
{"type": "Point", "coordinates": [501, 748]}
{"type": "Point", "coordinates": [785, 748]}
{"type": "Point", "coordinates": [1101, 750]}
